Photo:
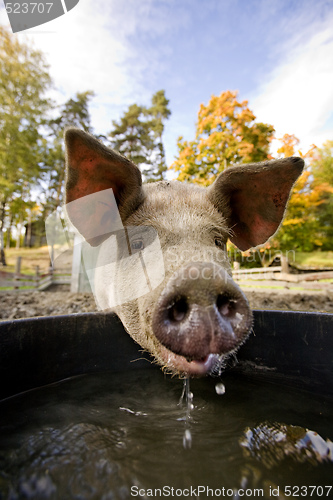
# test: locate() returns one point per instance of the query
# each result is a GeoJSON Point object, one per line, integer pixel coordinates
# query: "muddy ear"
{"type": "Point", "coordinates": [253, 198]}
{"type": "Point", "coordinates": [93, 170]}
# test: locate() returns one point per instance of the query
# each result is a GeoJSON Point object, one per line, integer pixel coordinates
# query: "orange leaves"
{"type": "Point", "coordinates": [289, 143]}
{"type": "Point", "coordinates": [309, 221]}
{"type": "Point", "coordinates": [223, 112]}
{"type": "Point", "coordinates": [226, 134]}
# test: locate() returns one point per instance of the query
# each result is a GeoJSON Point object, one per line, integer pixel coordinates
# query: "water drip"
{"type": "Point", "coordinates": [187, 437]}
{"type": "Point", "coordinates": [220, 388]}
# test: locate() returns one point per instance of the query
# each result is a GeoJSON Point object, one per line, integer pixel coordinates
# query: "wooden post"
{"type": "Point", "coordinates": [76, 265]}
{"type": "Point", "coordinates": [18, 265]}
{"type": "Point", "coordinates": [37, 278]}
{"type": "Point", "coordinates": [284, 264]}
{"type": "Point", "coordinates": [17, 273]}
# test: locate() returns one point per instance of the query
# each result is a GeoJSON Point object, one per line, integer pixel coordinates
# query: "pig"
{"type": "Point", "coordinates": [196, 316]}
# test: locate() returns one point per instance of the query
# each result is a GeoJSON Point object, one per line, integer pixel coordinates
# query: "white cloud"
{"type": "Point", "coordinates": [297, 98]}
{"type": "Point", "coordinates": [87, 50]}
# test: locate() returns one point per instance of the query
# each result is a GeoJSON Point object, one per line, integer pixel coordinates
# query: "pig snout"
{"type": "Point", "coordinates": [201, 312]}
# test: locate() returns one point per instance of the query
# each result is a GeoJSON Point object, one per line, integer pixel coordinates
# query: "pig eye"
{"type": "Point", "coordinates": [219, 243]}
{"type": "Point", "coordinates": [137, 245]}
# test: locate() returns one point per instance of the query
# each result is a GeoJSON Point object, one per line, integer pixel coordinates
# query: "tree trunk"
{"type": "Point", "coordinates": [9, 232]}
{"type": "Point", "coordinates": [2, 249]}
{"type": "Point", "coordinates": [18, 238]}
{"type": "Point", "coordinates": [2, 246]}
{"type": "Point", "coordinates": [28, 238]}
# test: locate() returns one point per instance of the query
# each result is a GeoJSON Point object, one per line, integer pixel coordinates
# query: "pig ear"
{"type": "Point", "coordinates": [253, 198]}
{"type": "Point", "coordinates": [93, 168]}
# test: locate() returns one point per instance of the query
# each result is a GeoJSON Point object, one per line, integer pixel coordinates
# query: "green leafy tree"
{"type": "Point", "coordinates": [159, 112]}
{"type": "Point", "coordinates": [130, 136]}
{"type": "Point", "coordinates": [138, 136]}
{"type": "Point", "coordinates": [73, 113]}
{"type": "Point", "coordinates": [226, 134]}
{"type": "Point", "coordinates": [24, 79]}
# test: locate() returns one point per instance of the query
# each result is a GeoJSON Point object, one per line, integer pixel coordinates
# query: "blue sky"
{"type": "Point", "coordinates": [278, 54]}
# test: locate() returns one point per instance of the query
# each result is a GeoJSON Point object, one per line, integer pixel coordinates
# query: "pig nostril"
{"type": "Point", "coordinates": [225, 305]}
{"type": "Point", "coordinates": [178, 310]}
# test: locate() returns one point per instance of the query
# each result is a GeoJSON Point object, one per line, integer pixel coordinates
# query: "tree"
{"type": "Point", "coordinates": [309, 219]}
{"type": "Point", "coordinates": [74, 113]}
{"type": "Point", "coordinates": [322, 171]}
{"type": "Point", "coordinates": [288, 146]}
{"type": "Point", "coordinates": [300, 230]}
{"type": "Point", "coordinates": [130, 136]}
{"type": "Point", "coordinates": [226, 133]}
{"type": "Point", "coordinates": [138, 136]}
{"type": "Point", "coordinates": [159, 112]}
{"type": "Point", "coordinates": [24, 79]}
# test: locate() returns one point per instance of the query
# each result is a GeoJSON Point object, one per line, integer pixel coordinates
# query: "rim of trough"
{"type": "Point", "coordinates": [295, 348]}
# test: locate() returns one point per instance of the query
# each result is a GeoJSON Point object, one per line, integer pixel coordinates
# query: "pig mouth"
{"type": "Point", "coordinates": [200, 318]}
{"type": "Point", "coordinates": [187, 366]}
{"type": "Point", "coordinates": [195, 341]}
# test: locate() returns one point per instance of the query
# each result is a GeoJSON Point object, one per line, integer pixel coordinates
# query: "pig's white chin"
{"type": "Point", "coordinates": [179, 364]}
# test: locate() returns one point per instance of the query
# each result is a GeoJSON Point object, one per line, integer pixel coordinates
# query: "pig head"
{"type": "Point", "coordinates": [196, 315]}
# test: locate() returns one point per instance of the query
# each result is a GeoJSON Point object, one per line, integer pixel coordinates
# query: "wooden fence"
{"type": "Point", "coordinates": [270, 276]}
{"type": "Point", "coordinates": [18, 280]}
{"type": "Point", "coordinates": [274, 275]}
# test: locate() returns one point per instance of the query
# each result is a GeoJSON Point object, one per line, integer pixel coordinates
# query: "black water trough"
{"type": "Point", "coordinates": [293, 346]}
{"type": "Point", "coordinates": [85, 415]}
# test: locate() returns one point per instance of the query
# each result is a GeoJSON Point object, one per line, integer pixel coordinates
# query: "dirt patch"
{"type": "Point", "coordinates": [59, 300]}
{"type": "Point", "coordinates": [291, 300]}
{"type": "Point", "coordinates": [16, 305]}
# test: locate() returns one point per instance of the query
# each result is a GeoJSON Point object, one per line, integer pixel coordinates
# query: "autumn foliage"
{"type": "Point", "coordinates": [226, 133]}
{"type": "Point", "coordinates": [308, 224]}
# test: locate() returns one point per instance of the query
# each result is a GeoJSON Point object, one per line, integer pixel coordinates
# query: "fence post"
{"type": "Point", "coordinates": [17, 273]}
{"type": "Point", "coordinates": [284, 264]}
{"type": "Point", "coordinates": [76, 265]}
{"type": "Point", "coordinates": [37, 277]}
{"type": "Point", "coordinates": [51, 272]}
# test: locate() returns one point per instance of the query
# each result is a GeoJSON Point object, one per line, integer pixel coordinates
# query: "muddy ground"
{"type": "Point", "coordinates": [59, 300]}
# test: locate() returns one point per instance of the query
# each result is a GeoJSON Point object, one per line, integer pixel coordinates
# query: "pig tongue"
{"type": "Point", "coordinates": [194, 367]}
{"type": "Point", "coordinates": [207, 364]}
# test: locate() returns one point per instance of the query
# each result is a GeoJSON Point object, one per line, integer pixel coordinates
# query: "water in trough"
{"type": "Point", "coordinates": [125, 435]}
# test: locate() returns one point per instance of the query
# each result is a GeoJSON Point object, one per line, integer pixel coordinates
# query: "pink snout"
{"type": "Point", "coordinates": [201, 311]}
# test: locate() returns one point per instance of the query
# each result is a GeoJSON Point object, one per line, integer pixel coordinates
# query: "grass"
{"type": "Point", "coordinates": [31, 257]}
{"type": "Point", "coordinates": [255, 285]}
{"type": "Point", "coordinates": [314, 259]}
{"type": "Point", "coordinates": [11, 289]}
